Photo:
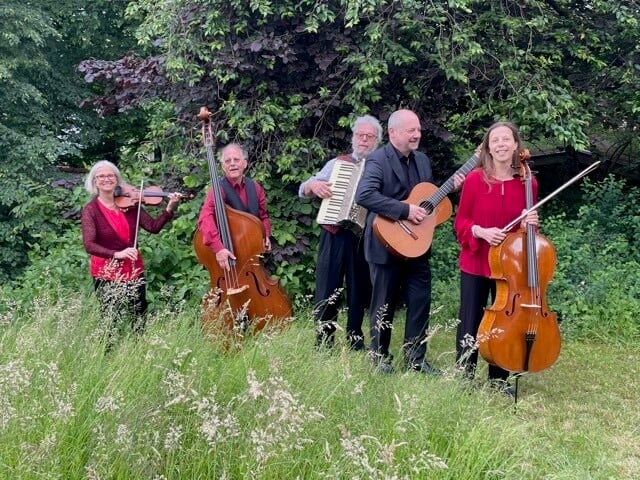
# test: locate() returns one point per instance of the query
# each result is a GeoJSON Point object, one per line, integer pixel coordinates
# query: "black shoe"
{"type": "Point", "coordinates": [356, 345]}
{"type": "Point", "coordinates": [508, 391]}
{"type": "Point", "coordinates": [324, 341]}
{"type": "Point", "coordinates": [426, 368]}
{"type": "Point", "coordinates": [382, 363]}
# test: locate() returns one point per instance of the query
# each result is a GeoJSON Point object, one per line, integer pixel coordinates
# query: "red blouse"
{"type": "Point", "coordinates": [487, 205]}
{"type": "Point", "coordinates": [105, 232]}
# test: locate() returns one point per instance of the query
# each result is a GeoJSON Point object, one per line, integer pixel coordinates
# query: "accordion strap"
{"type": "Point", "coordinates": [346, 158]}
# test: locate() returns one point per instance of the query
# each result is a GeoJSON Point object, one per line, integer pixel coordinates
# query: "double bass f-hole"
{"type": "Point", "coordinates": [234, 289]}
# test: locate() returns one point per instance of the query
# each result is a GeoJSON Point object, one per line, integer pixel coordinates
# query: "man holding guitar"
{"type": "Point", "coordinates": [390, 174]}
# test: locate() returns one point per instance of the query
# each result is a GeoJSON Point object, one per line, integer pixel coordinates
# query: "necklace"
{"type": "Point", "coordinates": [110, 205]}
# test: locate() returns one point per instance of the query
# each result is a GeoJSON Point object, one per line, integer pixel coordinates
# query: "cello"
{"type": "Point", "coordinates": [518, 332]}
{"type": "Point", "coordinates": [243, 298]}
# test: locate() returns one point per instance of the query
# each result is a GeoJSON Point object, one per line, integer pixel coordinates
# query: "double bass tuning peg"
{"type": "Point", "coordinates": [204, 115]}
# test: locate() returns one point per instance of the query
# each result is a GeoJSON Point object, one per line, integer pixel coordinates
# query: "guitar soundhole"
{"type": "Point", "coordinates": [428, 206]}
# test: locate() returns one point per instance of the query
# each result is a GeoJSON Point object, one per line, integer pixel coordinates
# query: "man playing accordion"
{"type": "Point", "coordinates": [340, 256]}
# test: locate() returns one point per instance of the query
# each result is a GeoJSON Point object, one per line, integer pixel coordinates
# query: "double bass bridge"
{"type": "Point", "coordinates": [237, 290]}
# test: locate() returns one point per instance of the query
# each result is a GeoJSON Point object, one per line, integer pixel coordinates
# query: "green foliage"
{"type": "Point", "coordinates": [470, 62]}
{"type": "Point", "coordinates": [444, 251]}
{"type": "Point", "coordinates": [27, 137]}
{"type": "Point", "coordinates": [595, 287]}
{"type": "Point", "coordinates": [40, 123]}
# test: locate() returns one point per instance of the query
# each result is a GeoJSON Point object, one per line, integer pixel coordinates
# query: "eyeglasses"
{"type": "Point", "coordinates": [229, 161]}
{"type": "Point", "coordinates": [104, 177]}
{"type": "Point", "coordinates": [368, 136]}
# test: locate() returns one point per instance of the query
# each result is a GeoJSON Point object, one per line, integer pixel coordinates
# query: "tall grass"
{"type": "Point", "coordinates": [170, 404]}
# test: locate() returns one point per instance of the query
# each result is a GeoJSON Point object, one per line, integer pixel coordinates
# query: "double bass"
{"type": "Point", "coordinates": [244, 298]}
{"type": "Point", "coordinates": [518, 332]}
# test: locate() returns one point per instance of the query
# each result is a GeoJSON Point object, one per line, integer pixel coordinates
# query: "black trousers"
{"type": "Point", "coordinates": [474, 294]}
{"type": "Point", "coordinates": [413, 279]}
{"type": "Point", "coordinates": [122, 302]}
{"type": "Point", "coordinates": [341, 262]}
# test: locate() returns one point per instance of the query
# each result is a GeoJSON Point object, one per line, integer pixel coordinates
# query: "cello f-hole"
{"type": "Point", "coordinates": [509, 311]}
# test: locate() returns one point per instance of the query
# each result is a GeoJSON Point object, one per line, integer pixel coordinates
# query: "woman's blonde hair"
{"type": "Point", "coordinates": [485, 160]}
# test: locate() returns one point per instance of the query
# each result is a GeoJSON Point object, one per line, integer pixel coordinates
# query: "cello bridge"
{"type": "Point", "coordinates": [529, 305]}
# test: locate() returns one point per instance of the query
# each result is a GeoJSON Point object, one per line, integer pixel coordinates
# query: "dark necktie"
{"type": "Point", "coordinates": [410, 168]}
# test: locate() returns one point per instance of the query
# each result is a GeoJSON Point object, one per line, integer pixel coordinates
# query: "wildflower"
{"type": "Point", "coordinates": [217, 425]}
{"type": "Point", "coordinates": [281, 424]}
{"type": "Point", "coordinates": [124, 438]}
{"type": "Point", "coordinates": [173, 437]}
{"type": "Point", "coordinates": [108, 403]}
{"type": "Point", "coordinates": [92, 472]}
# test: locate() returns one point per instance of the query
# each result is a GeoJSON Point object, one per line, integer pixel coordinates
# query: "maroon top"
{"type": "Point", "coordinates": [101, 239]}
{"type": "Point", "coordinates": [487, 205]}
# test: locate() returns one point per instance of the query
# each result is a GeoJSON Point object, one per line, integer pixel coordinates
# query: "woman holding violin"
{"type": "Point", "coordinates": [492, 196]}
{"type": "Point", "coordinates": [110, 222]}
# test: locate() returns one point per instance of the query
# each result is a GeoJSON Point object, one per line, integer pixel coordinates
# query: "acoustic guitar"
{"type": "Point", "coordinates": [407, 240]}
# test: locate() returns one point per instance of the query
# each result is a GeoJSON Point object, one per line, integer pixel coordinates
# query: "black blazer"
{"type": "Point", "coordinates": [381, 189]}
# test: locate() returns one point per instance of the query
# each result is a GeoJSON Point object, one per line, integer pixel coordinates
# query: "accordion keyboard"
{"type": "Point", "coordinates": [340, 208]}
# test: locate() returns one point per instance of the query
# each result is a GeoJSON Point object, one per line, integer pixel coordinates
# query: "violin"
{"type": "Point", "coordinates": [127, 196]}
{"type": "Point", "coordinates": [518, 332]}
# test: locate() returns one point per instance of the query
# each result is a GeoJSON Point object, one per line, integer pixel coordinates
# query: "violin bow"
{"type": "Point", "coordinates": [515, 221]}
{"type": "Point", "coordinates": [135, 241]}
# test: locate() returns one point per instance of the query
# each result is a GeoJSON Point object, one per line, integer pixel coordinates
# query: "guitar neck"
{"type": "Point", "coordinates": [447, 187]}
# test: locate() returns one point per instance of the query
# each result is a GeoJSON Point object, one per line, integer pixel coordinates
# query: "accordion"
{"type": "Point", "coordinates": [340, 208]}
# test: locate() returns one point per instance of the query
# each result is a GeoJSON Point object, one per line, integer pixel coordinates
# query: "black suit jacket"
{"type": "Point", "coordinates": [382, 187]}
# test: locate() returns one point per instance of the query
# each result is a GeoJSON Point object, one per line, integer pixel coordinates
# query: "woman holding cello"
{"type": "Point", "coordinates": [492, 196]}
{"type": "Point", "coordinates": [110, 222]}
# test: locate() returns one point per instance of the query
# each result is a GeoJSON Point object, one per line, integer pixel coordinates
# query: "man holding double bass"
{"type": "Point", "coordinates": [233, 232]}
{"type": "Point", "coordinates": [239, 192]}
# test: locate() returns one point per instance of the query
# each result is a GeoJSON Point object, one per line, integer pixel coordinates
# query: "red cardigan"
{"type": "Point", "coordinates": [102, 241]}
{"type": "Point", "coordinates": [486, 205]}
